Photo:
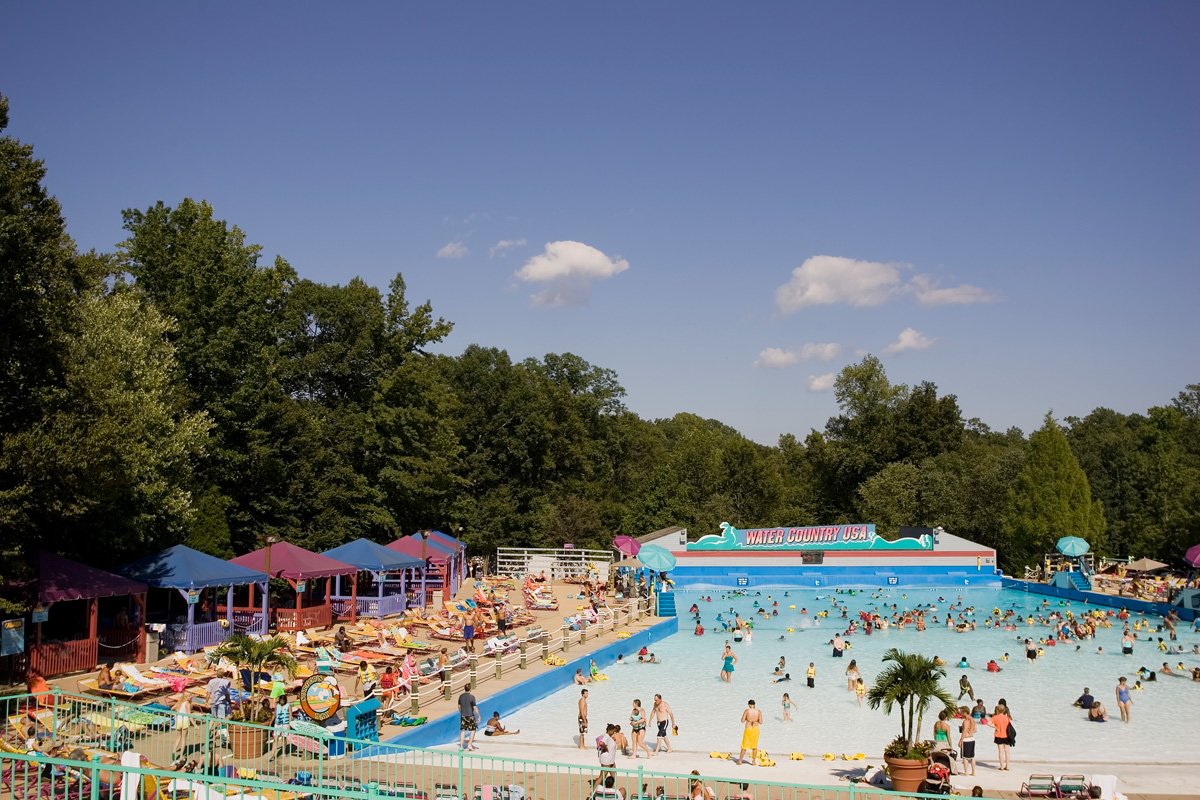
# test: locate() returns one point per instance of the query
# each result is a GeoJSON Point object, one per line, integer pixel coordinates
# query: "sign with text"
{"type": "Point", "coordinates": [12, 637]}
{"type": "Point", "coordinates": [810, 537]}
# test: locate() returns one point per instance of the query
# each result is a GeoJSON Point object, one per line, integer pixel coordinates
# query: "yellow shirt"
{"type": "Point", "coordinates": [812, 672]}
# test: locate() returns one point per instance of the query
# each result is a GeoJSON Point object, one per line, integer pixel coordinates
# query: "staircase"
{"type": "Point", "coordinates": [666, 604]}
{"type": "Point", "coordinates": [1080, 581]}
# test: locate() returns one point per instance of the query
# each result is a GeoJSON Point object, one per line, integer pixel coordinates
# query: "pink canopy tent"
{"type": "Point", "coordinates": [298, 567]}
{"type": "Point", "coordinates": [440, 558]}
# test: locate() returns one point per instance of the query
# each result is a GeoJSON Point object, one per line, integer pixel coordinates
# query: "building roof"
{"type": "Point", "coordinates": [372, 557]}
{"type": "Point", "coordinates": [181, 567]}
{"type": "Point", "coordinates": [447, 540]}
{"type": "Point", "coordinates": [411, 546]}
{"type": "Point", "coordinates": [294, 563]}
{"type": "Point", "coordinates": [61, 579]}
{"type": "Point", "coordinates": [660, 533]}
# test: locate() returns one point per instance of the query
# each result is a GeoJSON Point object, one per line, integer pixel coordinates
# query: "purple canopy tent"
{"type": "Point", "coordinates": [297, 566]}
{"type": "Point", "coordinates": [61, 580]}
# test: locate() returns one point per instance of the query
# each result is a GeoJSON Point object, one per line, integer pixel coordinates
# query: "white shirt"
{"type": "Point", "coordinates": [609, 757]}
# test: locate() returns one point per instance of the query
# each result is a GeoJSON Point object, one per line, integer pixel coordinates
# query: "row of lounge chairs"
{"type": "Point", "coordinates": [1046, 785]}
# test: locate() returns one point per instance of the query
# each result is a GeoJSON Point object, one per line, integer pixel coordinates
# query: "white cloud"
{"type": "Point", "coordinates": [909, 339]}
{"type": "Point", "coordinates": [569, 268]}
{"type": "Point", "coordinates": [928, 293]}
{"type": "Point", "coordinates": [829, 280]}
{"type": "Point", "coordinates": [825, 280]}
{"type": "Point", "coordinates": [821, 383]}
{"type": "Point", "coordinates": [821, 351]}
{"type": "Point", "coordinates": [455, 250]}
{"type": "Point", "coordinates": [504, 244]}
{"type": "Point", "coordinates": [777, 357]}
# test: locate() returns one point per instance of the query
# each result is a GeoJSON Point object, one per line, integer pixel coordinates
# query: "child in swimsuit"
{"type": "Point", "coordinates": [787, 707]}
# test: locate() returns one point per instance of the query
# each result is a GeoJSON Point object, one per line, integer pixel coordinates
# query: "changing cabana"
{"type": "Point", "coordinates": [456, 547]}
{"type": "Point", "coordinates": [302, 569]}
{"type": "Point", "coordinates": [76, 642]}
{"type": "Point", "coordinates": [194, 575]}
{"type": "Point", "coordinates": [378, 561]}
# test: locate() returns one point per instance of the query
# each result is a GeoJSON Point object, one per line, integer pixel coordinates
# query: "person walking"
{"type": "Point", "coordinates": [727, 665]}
{"type": "Point", "coordinates": [637, 728]}
{"type": "Point", "coordinates": [664, 717]}
{"type": "Point", "coordinates": [752, 720]}
{"type": "Point", "coordinates": [468, 720]}
{"type": "Point", "coordinates": [182, 722]}
{"type": "Point", "coordinates": [606, 752]}
{"type": "Point", "coordinates": [787, 707]}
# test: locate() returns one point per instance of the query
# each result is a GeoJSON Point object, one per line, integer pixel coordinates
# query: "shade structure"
{"type": "Point", "coordinates": [656, 558]}
{"type": "Point", "coordinates": [181, 567]}
{"type": "Point", "coordinates": [447, 540]}
{"type": "Point", "coordinates": [293, 563]}
{"type": "Point", "coordinates": [1145, 565]}
{"type": "Point", "coordinates": [372, 556]}
{"type": "Point", "coordinates": [627, 545]}
{"type": "Point", "coordinates": [61, 579]}
{"type": "Point", "coordinates": [1192, 556]}
{"type": "Point", "coordinates": [1072, 546]}
{"type": "Point", "coordinates": [407, 546]}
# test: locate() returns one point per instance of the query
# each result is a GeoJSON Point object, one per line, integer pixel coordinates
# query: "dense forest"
{"type": "Point", "coordinates": [177, 389]}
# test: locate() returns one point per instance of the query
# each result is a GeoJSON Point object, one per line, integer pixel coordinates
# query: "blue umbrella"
{"type": "Point", "coordinates": [1072, 546]}
{"type": "Point", "coordinates": [656, 558]}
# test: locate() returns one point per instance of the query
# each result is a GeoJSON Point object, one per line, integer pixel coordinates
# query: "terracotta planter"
{"type": "Point", "coordinates": [247, 742]}
{"type": "Point", "coordinates": [907, 774]}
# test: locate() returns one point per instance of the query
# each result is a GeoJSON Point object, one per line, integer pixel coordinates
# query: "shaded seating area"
{"type": "Point", "coordinates": [304, 571]}
{"type": "Point", "coordinates": [378, 563]}
{"type": "Point", "coordinates": [185, 586]}
{"type": "Point", "coordinates": [444, 557]}
{"type": "Point", "coordinates": [73, 598]}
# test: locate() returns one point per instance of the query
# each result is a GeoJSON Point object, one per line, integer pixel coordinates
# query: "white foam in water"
{"type": "Point", "coordinates": [829, 719]}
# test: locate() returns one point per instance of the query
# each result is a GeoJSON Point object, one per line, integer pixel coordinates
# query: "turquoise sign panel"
{"type": "Point", "coordinates": [811, 537]}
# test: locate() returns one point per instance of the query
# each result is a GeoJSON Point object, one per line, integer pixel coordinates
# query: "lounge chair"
{"type": "Point", "coordinates": [125, 691]}
{"type": "Point", "coordinates": [1039, 785]}
{"type": "Point", "coordinates": [497, 646]}
{"type": "Point", "coordinates": [1074, 786]}
{"type": "Point", "coordinates": [134, 675]}
{"type": "Point", "coordinates": [535, 633]}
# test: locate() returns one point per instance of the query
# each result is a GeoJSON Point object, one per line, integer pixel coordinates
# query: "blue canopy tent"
{"type": "Point", "coordinates": [190, 572]}
{"type": "Point", "coordinates": [378, 560]}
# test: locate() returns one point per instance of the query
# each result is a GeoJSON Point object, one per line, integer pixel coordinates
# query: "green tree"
{"type": "Point", "coordinates": [1050, 497]}
{"type": "Point", "coordinates": [108, 476]}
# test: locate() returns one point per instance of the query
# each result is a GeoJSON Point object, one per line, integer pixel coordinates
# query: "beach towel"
{"type": "Point", "coordinates": [131, 783]}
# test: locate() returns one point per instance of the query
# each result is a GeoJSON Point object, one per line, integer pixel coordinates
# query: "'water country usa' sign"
{"type": "Point", "coordinates": [812, 537]}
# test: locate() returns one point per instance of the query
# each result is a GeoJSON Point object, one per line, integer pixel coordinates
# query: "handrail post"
{"type": "Point", "coordinates": [474, 678]}
{"type": "Point", "coordinates": [95, 759]}
{"type": "Point", "coordinates": [499, 666]}
{"type": "Point", "coordinates": [524, 647]}
{"type": "Point", "coordinates": [566, 637]}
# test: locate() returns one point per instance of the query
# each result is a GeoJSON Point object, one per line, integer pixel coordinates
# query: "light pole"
{"type": "Point", "coordinates": [424, 567]}
{"type": "Point", "coordinates": [266, 625]}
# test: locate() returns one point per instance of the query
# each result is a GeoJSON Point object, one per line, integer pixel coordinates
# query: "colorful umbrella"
{"type": "Point", "coordinates": [627, 545]}
{"type": "Point", "coordinates": [656, 558]}
{"type": "Point", "coordinates": [1192, 556]}
{"type": "Point", "coordinates": [1145, 565]}
{"type": "Point", "coordinates": [1072, 546]}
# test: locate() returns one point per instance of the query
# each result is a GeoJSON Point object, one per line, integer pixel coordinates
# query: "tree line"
{"type": "Point", "coordinates": [178, 389]}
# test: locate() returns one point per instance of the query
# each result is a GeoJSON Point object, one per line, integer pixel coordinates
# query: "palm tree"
{"type": "Point", "coordinates": [258, 655]}
{"type": "Point", "coordinates": [913, 682]}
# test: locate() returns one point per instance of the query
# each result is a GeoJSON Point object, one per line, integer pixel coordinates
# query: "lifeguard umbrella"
{"type": "Point", "coordinates": [1072, 546]}
{"type": "Point", "coordinates": [656, 558]}
{"type": "Point", "coordinates": [1145, 565]}
{"type": "Point", "coordinates": [1192, 556]}
{"type": "Point", "coordinates": [627, 545]}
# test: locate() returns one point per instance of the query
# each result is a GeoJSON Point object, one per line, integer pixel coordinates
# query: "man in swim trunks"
{"type": "Point", "coordinates": [664, 717]}
{"type": "Point", "coordinates": [468, 713]}
{"type": "Point", "coordinates": [583, 716]}
{"type": "Point", "coordinates": [752, 719]}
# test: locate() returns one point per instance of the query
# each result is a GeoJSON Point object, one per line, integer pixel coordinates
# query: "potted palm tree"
{"type": "Point", "coordinates": [911, 682]}
{"type": "Point", "coordinates": [258, 655]}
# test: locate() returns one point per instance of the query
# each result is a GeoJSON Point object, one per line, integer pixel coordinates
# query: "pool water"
{"type": "Point", "coordinates": [828, 718]}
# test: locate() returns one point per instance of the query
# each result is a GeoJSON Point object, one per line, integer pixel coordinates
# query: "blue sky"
{"type": "Point", "coordinates": [724, 203]}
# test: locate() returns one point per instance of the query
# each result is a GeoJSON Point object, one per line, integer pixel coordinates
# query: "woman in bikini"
{"type": "Point", "coordinates": [637, 726]}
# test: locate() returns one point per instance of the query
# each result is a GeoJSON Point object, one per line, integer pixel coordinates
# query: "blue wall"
{"type": "Point", "coordinates": [1098, 599]}
{"type": "Point", "coordinates": [445, 729]}
{"type": "Point", "coordinates": [733, 576]}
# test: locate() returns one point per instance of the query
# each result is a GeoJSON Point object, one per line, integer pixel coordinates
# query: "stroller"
{"type": "Point", "coordinates": [937, 779]}
{"type": "Point", "coordinates": [948, 759]}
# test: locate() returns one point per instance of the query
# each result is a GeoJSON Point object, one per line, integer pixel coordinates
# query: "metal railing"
{"type": "Point", "coordinates": [558, 564]}
{"type": "Point", "coordinates": [418, 775]}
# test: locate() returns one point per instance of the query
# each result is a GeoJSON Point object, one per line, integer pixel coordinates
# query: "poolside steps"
{"type": "Point", "coordinates": [666, 604]}
{"type": "Point", "coordinates": [1080, 581]}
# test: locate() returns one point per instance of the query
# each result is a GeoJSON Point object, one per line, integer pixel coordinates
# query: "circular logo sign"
{"type": "Point", "coordinates": [320, 697]}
